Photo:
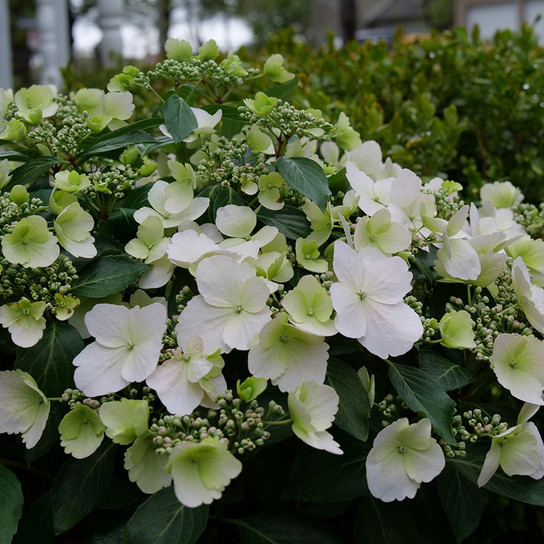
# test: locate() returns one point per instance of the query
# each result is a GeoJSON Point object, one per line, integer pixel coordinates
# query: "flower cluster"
{"type": "Point", "coordinates": [227, 272]}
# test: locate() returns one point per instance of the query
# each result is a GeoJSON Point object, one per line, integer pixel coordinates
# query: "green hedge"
{"type": "Point", "coordinates": [450, 103]}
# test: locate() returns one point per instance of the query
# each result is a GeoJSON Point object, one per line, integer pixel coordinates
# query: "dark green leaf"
{"type": "Point", "coordinates": [108, 275]}
{"type": "Point", "coordinates": [14, 156]}
{"type": "Point", "coordinates": [93, 141]}
{"type": "Point", "coordinates": [219, 197]}
{"type": "Point", "coordinates": [422, 393]}
{"type": "Point", "coordinates": [354, 409]}
{"type": "Point", "coordinates": [462, 502]}
{"type": "Point", "coordinates": [49, 362]}
{"type": "Point", "coordinates": [36, 524]}
{"type": "Point", "coordinates": [307, 177]}
{"type": "Point", "coordinates": [178, 118]}
{"type": "Point", "coordinates": [284, 91]}
{"type": "Point", "coordinates": [232, 123]}
{"type": "Point", "coordinates": [290, 221]}
{"type": "Point", "coordinates": [78, 486]}
{"type": "Point", "coordinates": [378, 522]}
{"type": "Point", "coordinates": [448, 374]}
{"type": "Point", "coordinates": [136, 198]}
{"type": "Point", "coordinates": [11, 504]}
{"type": "Point", "coordinates": [162, 519]}
{"type": "Point", "coordinates": [313, 472]}
{"type": "Point", "coordinates": [520, 488]}
{"type": "Point", "coordinates": [115, 141]}
{"type": "Point", "coordinates": [28, 173]}
{"type": "Point", "coordinates": [284, 528]}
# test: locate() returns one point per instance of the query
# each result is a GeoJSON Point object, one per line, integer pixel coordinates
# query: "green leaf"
{"type": "Point", "coordinates": [284, 91]}
{"type": "Point", "coordinates": [219, 197]}
{"type": "Point", "coordinates": [422, 393]}
{"type": "Point", "coordinates": [384, 523]}
{"type": "Point", "coordinates": [49, 362]}
{"type": "Point", "coordinates": [28, 173]}
{"type": "Point", "coordinates": [231, 122]}
{"type": "Point", "coordinates": [108, 275]}
{"type": "Point", "coordinates": [307, 177]}
{"type": "Point", "coordinates": [36, 524]}
{"type": "Point", "coordinates": [178, 118]}
{"type": "Point", "coordinates": [115, 141]}
{"type": "Point", "coordinates": [78, 486]}
{"type": "Point", "coordinates": [11, 504]}
{"type": "Point", "coordinates": [462, 502]}
{"type": "Point", "coordinates": [448, 374]}
{"type": "Point", "coordinates": [284, 528]}
{"type": "Point", "coordinates": [313, 472]}
{"type": "Point", "coordinates": [520, 488]}
{"type": "Point", "coordinates": [290, 221]}
{"type": "Point", "coordinates": [354, 409]}
{"type": "Point", "coordinates": [162, 519]}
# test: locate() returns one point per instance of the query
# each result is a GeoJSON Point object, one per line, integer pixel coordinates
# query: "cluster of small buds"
{"type": "Point", "coordinates": [37, 284]}
{"type": "Point", "coordinates": [482, 425]}
{"type": "Point", "coordinates": [170, 430]}
{"type": "Point", "coordinates": [230, 162]}
{"type": "Point", "coordinates": [193, 70]}
{"type": "Point", "coordinates": [447, 205]}
{"type": "Point", "coordinates": [184, 295]}
{"type": "Point", "coordinates": [169, 338]}
{"type": "Point", "coordinates": [459, 450]}
{"type": "Point", "coordinates": [290, 121]}
{"type": "Point", "coordinates": [430, 328]}
{"type": "Point", "coordinates": [326, 279]}
{"type": "Point", "coordinates": [117, 180]}
{"type": "Point", "coordinates": [75, 397]}
{"type": "Point", "coordinates": [531, 218]}
{"type": "Point", "coordinates": [491, 320]}
{"type": "Point", "coordinates": [242, 426]}
{"type": "Point", "coordinates": [11, 212]}
{"type": "Point", "coordinates": [143, 393]}
{"type": "Point", "coordinates": [391, 407]}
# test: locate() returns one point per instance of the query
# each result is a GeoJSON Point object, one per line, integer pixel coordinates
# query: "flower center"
{"type": "Point", "coordinates": [238, 308]}
{"type": "Point", "coordinates": [513, 364]}
{"type": "Point", "coordinates": [402, 449]}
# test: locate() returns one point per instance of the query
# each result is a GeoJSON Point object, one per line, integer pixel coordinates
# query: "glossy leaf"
{"type": "Point", "coordinates": [162, 519]}
{"type": "Point", "coordinates": [284, 528]}
{"type": "Point", "coordinates": [178, 118]}
{"type": "Point", "coordinates": [78, 486]}
{"type": "Point", "coordinates": [313, 472]}
{"type": "Point", "coordinates": [49, 362]}
{"type": "Point", "coordinates": [422, 393]}
{"type": "Point", "coordinates": [354, 408]}
{"type": "Point", "coordinates": [11, 504]}
{"type": "Point", "coordinates": [108, 275]}
{"type": "Point", "coordinates": [462, 502]}
{"type": "Point", "coordinates": [447, 373]}
{"type": "Point", "coordinates": [307, 177]}
{"type": "Point", "coordinates": [290, 221]}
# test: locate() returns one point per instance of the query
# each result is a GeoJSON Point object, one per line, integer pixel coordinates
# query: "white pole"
{"type": "Point", "coordinates": [63, 33]}
{"type": "Point", "coordinates": [110, 18]}
{"type": "Point", "coordinates": [46, 16]}
{"type": "Point", "coordinates": [6, 78]}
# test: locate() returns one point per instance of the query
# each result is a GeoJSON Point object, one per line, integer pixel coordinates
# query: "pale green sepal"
{"type": "Point", "coordinates": [81, 432]}
{"type": "Point", "coordinates": [125, 420]}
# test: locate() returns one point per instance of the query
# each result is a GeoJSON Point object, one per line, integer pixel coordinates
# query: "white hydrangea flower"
{"type": "Point", "coordinates": [402, 457]}
{"type": "Point", "coordinates": [127, 347]}
{"type": "Point", "coordinates": [518, 450]}
{"type": "Point", "coordinates": [287, 355]}
{"type": "Point", "coordinates": [231, 307]}
{"type": "Point", "coordinates": [24, 408]}
{"type": "Point", "coordinates": [201, 471]}
{"type": "Point", "coordinates": [185, 380]}
{"type": "Point", "coordinates": [312, 408]}
{"type": "Point", "coordinates": [518, 365]}
{"type": "Point", "coordinates": [368, 299]}
{"type": "Point", "coordinates": [530, 297]}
